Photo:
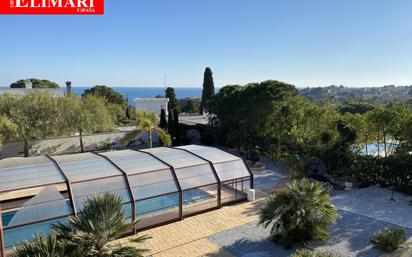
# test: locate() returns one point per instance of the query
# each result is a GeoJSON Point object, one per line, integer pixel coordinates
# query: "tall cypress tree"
{"type": "Point", "coordinates": [208, 90]}
{"type": "Point", "coordinates": [173, 102]}
{"type": "Point", "coordinates": [163, 123]}
{"type": "Point", "coordinates": [170, 124]}
{"type": "Point", "coordinates": [176, 128]}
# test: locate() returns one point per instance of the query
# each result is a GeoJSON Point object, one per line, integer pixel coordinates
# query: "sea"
{"type": "Point", "coordinates": [148, 92]}
{"type": "Point", "coordinates": [144, 92]}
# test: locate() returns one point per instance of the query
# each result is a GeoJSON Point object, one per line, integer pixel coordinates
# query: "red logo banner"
{"type": "Point", "coordinates": [78, 7]}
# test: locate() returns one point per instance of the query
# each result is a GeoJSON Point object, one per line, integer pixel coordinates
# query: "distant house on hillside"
{"type": "Point", "coordinates": [29, 88]}
{"type": "Point", "coordinates": [155, 105]}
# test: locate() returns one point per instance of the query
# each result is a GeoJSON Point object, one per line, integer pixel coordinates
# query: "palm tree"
{"type": "Point", "coordinates": [147, 122]}
{"type": "Point", "coordinates": [92, 233]}
{"type": "Point", "coordinates": [299, 213]}
{"type": "Point", "coordinates": [100, 222]}
{"type": "Point", "coordinates": [41, 246]}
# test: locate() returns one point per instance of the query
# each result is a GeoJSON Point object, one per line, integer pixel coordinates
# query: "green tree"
{"type": "Point", "coordinates": [190, 105]}
{"type": "Point", "coordinates": [33, 116]}
{"type": "Point", "coordinates": [147, 123]}
{"type": "Point", "coordinates": [208, 90]}
{"type": "Point", "coordinates": [5, 127]}
{"type": "Point", "coordinates": [86, 116]}
{"type": "Point", "coordinates": [173, 102]}
{"type": "Point", "coordinates": [170, 124]}
{"type": "Point", "coordinates": [108, 93]}
{"type": "Point", "coordinates": [163, 122]}
{"type": "Point", "coordinates": [244, 112]}
{"type": "Point", "coordinates": [299, 213]}
{"type": "Point", "coordinates": [176, 128]}
{"type": "Point", "coordinates": [37, 83]}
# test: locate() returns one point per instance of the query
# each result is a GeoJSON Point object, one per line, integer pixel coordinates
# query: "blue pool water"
{"type": "Point", "coordinates": [145, 208]}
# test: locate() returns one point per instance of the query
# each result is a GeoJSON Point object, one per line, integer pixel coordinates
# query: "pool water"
{"type": "Point", "coordinates": [144, 208]}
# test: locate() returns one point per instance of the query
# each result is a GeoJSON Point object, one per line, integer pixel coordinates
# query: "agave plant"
{"type": "Point", "coordinates": [299, 213]}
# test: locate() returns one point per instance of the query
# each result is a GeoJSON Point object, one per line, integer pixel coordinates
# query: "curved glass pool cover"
{"type": "Point", "coordinates": [158, 186]}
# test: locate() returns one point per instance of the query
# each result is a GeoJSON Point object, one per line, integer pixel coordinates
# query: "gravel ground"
{"type": "Point", "coordinates": [350, 237]}
{"type": "Point", "coordinates": [375, 203]}
{"type": "Point", "coordinates": [269, 178]}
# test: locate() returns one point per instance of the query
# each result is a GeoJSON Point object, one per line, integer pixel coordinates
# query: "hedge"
{"type": "Point", "coordinates": [393, 171]}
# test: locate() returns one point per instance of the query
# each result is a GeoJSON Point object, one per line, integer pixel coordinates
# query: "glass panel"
{"type": "Point", "coordinates": [195, 176]}
{"type": "Point", "coordinates": [175, 158]}
{"type": "Point", "coordinates": [133, 162]}
{"type": "Point", "coordinates": [231, 170]}
{"type": "Point", "coordinates": [152, 184]}
{"type": "Point", "coordinates": [84, 166]}
{"type": "Point", "coordinates": [17, 235]}
{"type": "Point", "coordinates": [210, 153]}
{"type": "Point", "coordinates": [17, 173]}
{"type": "Point", "coordinates": [114, 185]}
{"type": "Point", "coordinates": [157, 210]}
{"type": "Point", "coordinates": [49, 203]}
{"type": "Point", "coordinates": [234, 190]}
{"type": "Point", "coordinates": [199, 199]}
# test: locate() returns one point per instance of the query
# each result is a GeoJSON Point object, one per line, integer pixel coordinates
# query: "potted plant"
{"type": "Point", "coordinates": [349, 181]}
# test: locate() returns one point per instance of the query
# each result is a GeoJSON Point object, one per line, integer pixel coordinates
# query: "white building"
{"type": "Point", "coordinates": [151, 104]}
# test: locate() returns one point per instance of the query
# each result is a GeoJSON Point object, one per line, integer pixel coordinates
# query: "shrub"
{"type": "Point", "coordinates": [393, 171]}
{"type": "Point", "coordinates": [309, 253]}
{"type": "Point", "coordinates": [389, 239]}
{"type": "Point", "coordinates": [303, 253]}
{"type": "Point", "coordinates": [299, 213]}
{"type": "Point", "coordinates": [254, 156]}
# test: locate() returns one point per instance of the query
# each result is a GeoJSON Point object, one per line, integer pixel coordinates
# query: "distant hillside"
{"type": "Point", "coordinates": [382, 94]}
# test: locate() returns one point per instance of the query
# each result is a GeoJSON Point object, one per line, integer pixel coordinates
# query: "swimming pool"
{"type": "Point", "coordinates": [144, 209]}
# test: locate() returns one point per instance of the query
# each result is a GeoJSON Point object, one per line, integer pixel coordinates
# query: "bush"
{"type": "Point", "coordinates": [303, 253]}
{"type": "Point", "coordinates": [309, 253]}
{"type": "Point", "coordinates": [254, 156]}
{"type": "Point", "coordinates": [393, 171]}
{"type": "Point", "coordinates": [299, 213]}
{"type": "Point", "coordinates": [389, 239]}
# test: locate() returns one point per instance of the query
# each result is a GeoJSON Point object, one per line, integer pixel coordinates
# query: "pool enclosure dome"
{"type": "Point", "coordinates": [157, 185]}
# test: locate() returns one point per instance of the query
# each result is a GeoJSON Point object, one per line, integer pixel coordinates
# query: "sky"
{"type": "Point", "coordinates": [302, 42]}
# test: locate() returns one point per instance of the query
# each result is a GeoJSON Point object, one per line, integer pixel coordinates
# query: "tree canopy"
{"type": "Point", "coordinates": [37, 83]}
{"type": "Point", "coordinates": [208, 89]}
{"type": "Point", "coordinates": [108, 93]}
{"type": "Point", "coordinates": [173, 102]}
{"type": "Point", "coordinates": [244, 111]}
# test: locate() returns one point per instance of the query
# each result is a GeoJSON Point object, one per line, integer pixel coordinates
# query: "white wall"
{"type": "Point", "coordinates": [151, 104]}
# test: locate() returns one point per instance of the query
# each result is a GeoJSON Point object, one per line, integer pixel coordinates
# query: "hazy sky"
{"type": "Point", "coordinates": [303, 42]}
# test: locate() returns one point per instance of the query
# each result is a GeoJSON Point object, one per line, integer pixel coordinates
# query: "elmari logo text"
{"type": "Point", "coordinates": [80, 7]}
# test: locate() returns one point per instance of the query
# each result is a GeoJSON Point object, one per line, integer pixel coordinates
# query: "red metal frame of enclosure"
{"type": "Point", "coordinates": [68, 184]}
{"type": "Point", "coordinates": [2, 244]}
{"type": "Point", "coordinates": [127, 181]}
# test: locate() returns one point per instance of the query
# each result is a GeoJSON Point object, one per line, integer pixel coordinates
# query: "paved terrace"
{"type": "Point", "coordinates": [233, 232]}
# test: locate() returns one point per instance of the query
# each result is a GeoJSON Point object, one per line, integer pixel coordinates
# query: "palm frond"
{"type": "Point", "coordinates": [130, 136]}
{"type": "Point", "coordinates": [164, 136]}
